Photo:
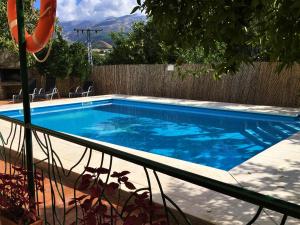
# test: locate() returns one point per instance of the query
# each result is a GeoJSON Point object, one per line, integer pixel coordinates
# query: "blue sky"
{"type": "Point", "coordinates": [68, 10]}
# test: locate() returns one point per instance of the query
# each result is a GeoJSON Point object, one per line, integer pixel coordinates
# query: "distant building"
{"type": "Point", "coordinates": [102, 47]}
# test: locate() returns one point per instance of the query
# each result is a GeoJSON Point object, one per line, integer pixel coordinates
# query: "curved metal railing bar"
{"type": "Point", "coordinates": [77, 181]}
{"type": "Point", "coordinates": [256, 216]}
{"type": "Point", "coordinates": [2, 150]}
{"type": "Point", "coordinates": [56, 177]}
{"type": "Point", "coordinates": [20, 153]}
{"type": "Point", "coordinates": [178, 209]}
{"type": "Point", "coordinates": [7, 145]}
{"type": "Point", "coordinates": [130, 198]}
{"type": "Point", "coordinates": [42, 146]}
{"type": "Point", "coordinates": [102, 195]}
{"type": "Point", "coordinates": [9, 135]}
{"type": "Point", "coordinates": [150, 193]}
{"type": "Point", "coordinates": [44, 199]}
{"type": "Point", "coordinates": [283, 220]}
{"type": "Point", "coordinates": [162, 196]}
{"type": "Point", "coordinates": [10, 147]}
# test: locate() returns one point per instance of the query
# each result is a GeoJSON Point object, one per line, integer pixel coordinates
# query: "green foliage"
{"type": "Point", "coordinates": [59, 63]}
{"type": "Point", "coordinates": [6, 41]}
{"type": "Point", "coordinates": [141, 46]}
{"type": "Point", "coordinates": [98, 59]}
{"type": "Point", "coordinates": [144, 46]}
{"type": "Point", "coordinates": [247, 30]}
{"type": "Point", "coordinates": [65, 60]}
{"type": "Point", "coordinates": [197, 55]}
{"type": "Point", "coordinates": [80, 66]}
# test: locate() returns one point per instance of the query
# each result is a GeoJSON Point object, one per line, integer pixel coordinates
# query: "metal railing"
{"type": "Point", "coordinates": [56, 173]}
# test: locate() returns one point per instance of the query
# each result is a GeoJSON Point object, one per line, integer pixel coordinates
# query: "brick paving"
{"type": "Point", "coordinates": [46, 202]}
{"type": "Point", "coordinates": [59, 208]}
{"type": "Point", "coordinates": [5, 102]}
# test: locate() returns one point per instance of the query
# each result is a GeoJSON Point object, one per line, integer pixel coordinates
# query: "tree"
{"type": "Point", "coordinates": [65, 60]}
{"type": "Point", "coordinates": [141, 46]}
{"type": "Point", "coordinates": [59, 62]}
{"type": "Point", "coordinates": [98, 59]}
{"type": "Point", "coordinates": [6, 41]}
{"type": "Point", "coordinates": [246, 30]}
{"type": "Point", "coordinates": [80, 65]}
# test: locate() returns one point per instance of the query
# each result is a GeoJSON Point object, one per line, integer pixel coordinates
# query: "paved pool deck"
{"type": "Point", "coordinates": [275, 171]}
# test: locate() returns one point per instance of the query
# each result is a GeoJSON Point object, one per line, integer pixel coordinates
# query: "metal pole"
{"type": "Point", "coordinates": [26, 101]}
{"type": "Point", "coordinates": [89, 41]}
{"type": "Point", "coordinates": [90, 49]}
{"type": "Point", "coordinates": [88, 45]}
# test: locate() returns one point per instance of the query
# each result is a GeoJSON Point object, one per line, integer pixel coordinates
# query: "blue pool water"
{"type": "Point", "coordinates": [216, 138]}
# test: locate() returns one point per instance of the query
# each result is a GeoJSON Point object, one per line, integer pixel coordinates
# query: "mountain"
{"type": "Point", "coordinates": [110, 24]}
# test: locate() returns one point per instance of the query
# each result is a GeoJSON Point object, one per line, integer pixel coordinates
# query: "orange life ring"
{"type": "Point", "coordinates": [44, 29]}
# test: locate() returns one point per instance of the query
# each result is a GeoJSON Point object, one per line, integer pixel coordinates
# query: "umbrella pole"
{"type": "Point", "coordinates": [26, 102]}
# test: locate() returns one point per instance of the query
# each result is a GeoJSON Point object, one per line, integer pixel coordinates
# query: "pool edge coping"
{"type": "Point", "coordinates": [277, 111]}
{"type": "Point", "coordinates": [261, 109]}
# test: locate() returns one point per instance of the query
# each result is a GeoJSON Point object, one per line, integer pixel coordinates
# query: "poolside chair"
{"type": "Point", "coordinates": [86, 90]}
{"type": "Point", "coordinates": [49, 91]}
{"type": "Point", "coordinates": [32, 90]}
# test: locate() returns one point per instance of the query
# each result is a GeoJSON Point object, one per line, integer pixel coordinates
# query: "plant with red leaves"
{"type": "Point", "coordinates": [95, 210]}
{"type": "Point", "coordinates": [14, 198]}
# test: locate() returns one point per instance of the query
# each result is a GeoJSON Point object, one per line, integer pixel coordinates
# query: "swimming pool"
{"type": "Point", "coordinates": [216, 138]}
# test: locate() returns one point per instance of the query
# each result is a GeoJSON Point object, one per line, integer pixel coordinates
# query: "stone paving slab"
{"type": "Point", "coordinates": [272, 110]}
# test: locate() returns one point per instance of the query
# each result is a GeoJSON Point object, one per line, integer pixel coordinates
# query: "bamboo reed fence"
{"type": "Point", "coordinates": [258, 84]}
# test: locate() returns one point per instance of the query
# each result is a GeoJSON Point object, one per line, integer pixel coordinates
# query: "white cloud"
{"type": "Point", "coordinates": [68, 10]}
